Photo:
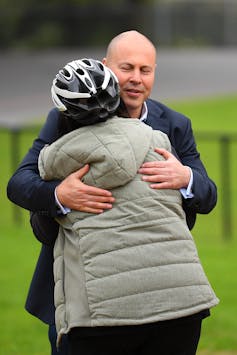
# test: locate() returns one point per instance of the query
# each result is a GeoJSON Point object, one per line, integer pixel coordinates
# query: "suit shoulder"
{"type": "Point", "coordinates": [53, 114]}
{"type": "Point", "coordinates": [165, 111]}
{"type": "Point", "coordinates": [49, 131]}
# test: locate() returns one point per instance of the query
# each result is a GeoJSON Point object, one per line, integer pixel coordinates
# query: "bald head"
{"type": "Point", "coordinates": [134, 40]}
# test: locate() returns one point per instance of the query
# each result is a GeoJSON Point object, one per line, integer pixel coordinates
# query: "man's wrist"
{"type": "Point", "coordinates": [187, 192]}
{"type": "Point", "coordinates": [61, 209]}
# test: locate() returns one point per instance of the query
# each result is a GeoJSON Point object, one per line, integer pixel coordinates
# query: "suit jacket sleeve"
{"type": "Point", "coordinates": [204, 189]}
{"type": "Point", "coordinates": [45, 228]}
{"type": "Point", "coordinates": [179, 130]}
{"type": "Point", "coordinates": [26, 188]}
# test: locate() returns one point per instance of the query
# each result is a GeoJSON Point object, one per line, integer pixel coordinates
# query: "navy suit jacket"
{"type": "Point", "coordinates": [26, 189]}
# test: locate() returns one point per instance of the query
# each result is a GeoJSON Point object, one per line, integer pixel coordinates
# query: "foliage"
{"type": "Point", "coordinates": [55, 23]}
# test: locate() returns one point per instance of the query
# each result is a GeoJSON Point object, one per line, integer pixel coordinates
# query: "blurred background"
{"type": "Point", "coordinates": [196, 42]}
{"type": "Point", "coordinates": [72, 23]}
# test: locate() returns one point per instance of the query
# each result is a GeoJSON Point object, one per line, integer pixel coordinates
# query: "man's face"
{"type": "Point", "coordinates": [134, 67]}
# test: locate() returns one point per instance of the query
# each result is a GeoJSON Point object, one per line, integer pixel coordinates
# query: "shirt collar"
{"type": "Point", "coordinates": [144, 112]}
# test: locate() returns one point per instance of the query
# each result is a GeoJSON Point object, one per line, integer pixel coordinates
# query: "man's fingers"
{"type": "Point", "coordinates": [151, 170]}
{"type": "Point", "coordinates": [97, 196]}
{"type": "Point", "coordinates": [97, 192]}
{"type": "Point", "coordinates": [81, 172]}
{"type": "Point", "coordinates": [87, 189]}
{"type": "Point", "coordinates": [95, 207]}
{"type": "Point", "coordinates": [161, 186]}
{"type": "Point", "coordinates": [153, 178]}
{"type": "Point", "coordinates": [158, 163]}
{"type": "Point", "coordinates": [93, 204]}
{"type": "Point", "coordinates": [163, 152]}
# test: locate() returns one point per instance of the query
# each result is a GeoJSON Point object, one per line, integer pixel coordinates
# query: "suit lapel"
{"type": "Point", "coordinates": [156, 118]}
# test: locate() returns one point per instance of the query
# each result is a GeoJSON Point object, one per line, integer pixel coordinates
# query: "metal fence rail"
{"type": "Point", "coordinates": [224, 141]}
{"type": "Point", "coordinates": [15, 129]}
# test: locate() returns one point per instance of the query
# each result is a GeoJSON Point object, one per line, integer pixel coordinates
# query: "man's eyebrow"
{"type": "Point", "coordinates": [126, 63]}
{"type": "Point", "coordinates": [149, 67]}
{"type": "Point", "coordinates": [132, 65]}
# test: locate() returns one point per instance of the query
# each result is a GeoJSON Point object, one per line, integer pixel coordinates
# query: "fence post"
{"type": "Point", "coordinates": [14, 128]}
{"type": "Point", "coordinates": [15, 154]}
{"type": "Point", "coordinates": [225, 184]}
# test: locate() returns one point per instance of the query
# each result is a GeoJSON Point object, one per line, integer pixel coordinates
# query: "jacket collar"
{"type": "Point", "coordinates": [156, 117]}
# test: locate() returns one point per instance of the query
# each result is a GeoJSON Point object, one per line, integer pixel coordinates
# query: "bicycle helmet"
{"type": "Point", "coordinates": [84, 89]}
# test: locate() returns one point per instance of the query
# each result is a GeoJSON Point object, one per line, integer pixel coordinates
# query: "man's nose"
{"type": "Point", "coordinates": [136, 76]}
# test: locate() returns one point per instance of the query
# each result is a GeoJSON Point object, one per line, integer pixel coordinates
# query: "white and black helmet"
{"type": "Point", "coordinates": [84, 87]}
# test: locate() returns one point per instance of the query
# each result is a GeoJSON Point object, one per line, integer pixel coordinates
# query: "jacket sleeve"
{"type": "Point", "coordinates": [25, 188]}
{"type": "Point", "coordinates": [204, 189]}
{"type": "Point", "coordinates": [44, 228]}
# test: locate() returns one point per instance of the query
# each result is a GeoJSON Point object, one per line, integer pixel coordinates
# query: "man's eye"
{"type": "Point", "coordinates": [126, 68]}
{"type": "Point", "coordinates": [146, 71]}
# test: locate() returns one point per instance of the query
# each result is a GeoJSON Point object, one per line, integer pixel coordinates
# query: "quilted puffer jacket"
{"type": "Point", "coordinates": [136, 263]}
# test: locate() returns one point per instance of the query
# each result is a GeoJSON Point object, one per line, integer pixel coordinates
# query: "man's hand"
{"type": "Point", "coordinates": [74, 194]}
{"type": "Point", "coordinates": [166, 174]}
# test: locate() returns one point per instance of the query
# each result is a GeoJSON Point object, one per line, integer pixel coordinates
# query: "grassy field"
{"type": "Point", "coordinates": [22, 334]}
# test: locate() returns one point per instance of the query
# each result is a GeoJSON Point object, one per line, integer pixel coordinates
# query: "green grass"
{"type": "Point", "coordinates": [210, 114]}
{"type": "Point", "coordinates": [22, 334]}
{"type": "Point", "coordinates": [217, 249]}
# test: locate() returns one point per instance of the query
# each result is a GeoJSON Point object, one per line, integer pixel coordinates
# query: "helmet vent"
{"type": "Point", "coordinates": [88, 83]}
{"type": "Point", "coordinates": [101, 66]}
{"type": "Point", "coordinates": [87, 62]}
{"type": "Point", "coordinates": [80, 71]}
{"type": "Point", "coordinates": [66, 73]}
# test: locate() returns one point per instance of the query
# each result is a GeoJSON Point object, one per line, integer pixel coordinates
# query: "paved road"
{"type": "Point", "coordinates": [26, 77]}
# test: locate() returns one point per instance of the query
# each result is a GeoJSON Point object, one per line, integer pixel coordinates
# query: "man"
{"type": "Point", "coordinates": [132, 57]}
{"type": "Point", "coordinates": [117, 270]}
